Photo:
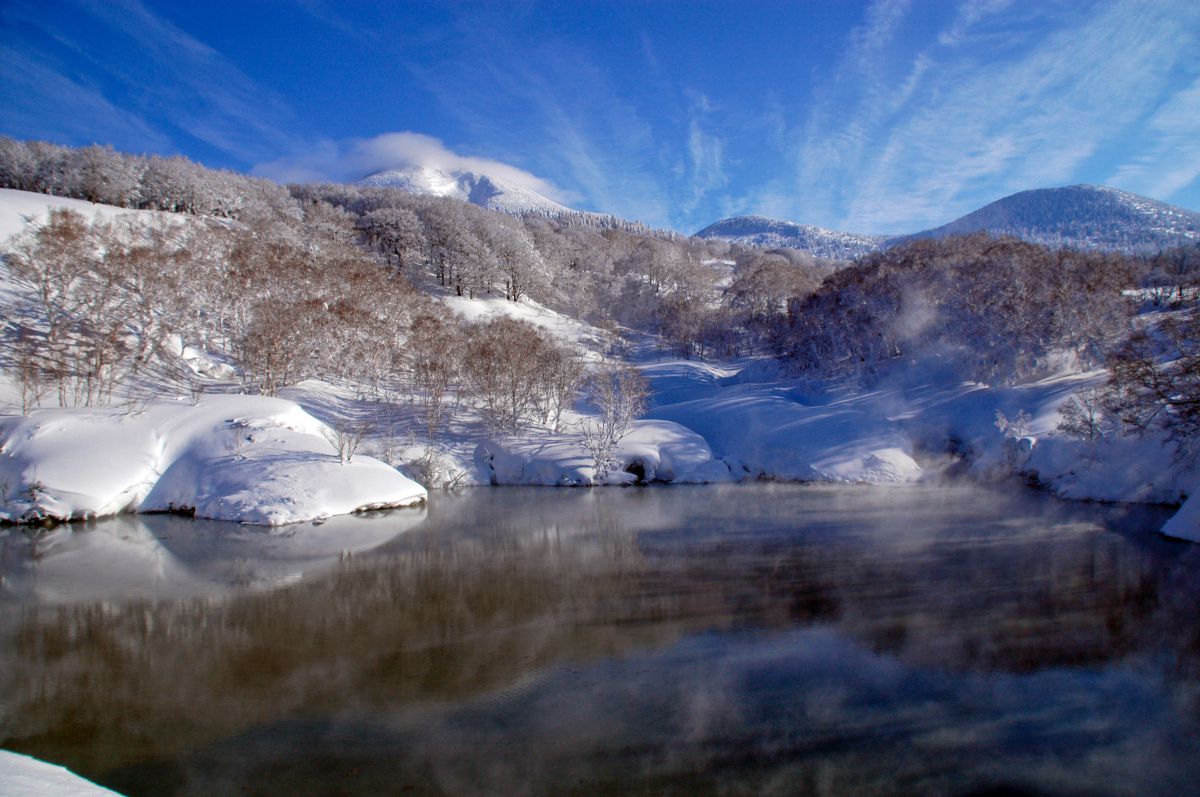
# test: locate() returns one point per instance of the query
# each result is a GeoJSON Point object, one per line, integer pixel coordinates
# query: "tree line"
{"type": "Point", "coordinates": [334, 282]}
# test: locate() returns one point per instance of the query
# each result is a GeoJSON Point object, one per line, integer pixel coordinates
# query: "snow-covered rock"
{"type": "Point", "coordinates": [244, 458]}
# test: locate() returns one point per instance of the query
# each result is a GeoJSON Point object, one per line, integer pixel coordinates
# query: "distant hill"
{"type": "Point", "coordinates": [775, 233]}
{"type": "Point", "coordinates": [1081, 217]}
{"type": "Point", "coordinates": [1077, 216]}
{"type": "Point", "coordinates": [478, 189]}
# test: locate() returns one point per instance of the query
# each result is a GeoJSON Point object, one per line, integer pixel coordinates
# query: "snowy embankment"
{"type": "Point", "coordinates": [650, 451]}
{"type": "Point", "coordinates": [266, 461]}
{"type": "Point", "coordinates": [22, 776]}
{"type": "Point", "coordinates": [243, 458]}
{"type": "Point", "coordinates": [766, 426]}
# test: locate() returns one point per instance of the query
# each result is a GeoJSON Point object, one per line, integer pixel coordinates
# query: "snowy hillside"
{"type": "Point", "coordinates": [776, 233]}
{"type": "Point", "coordinates": [1081, 217]}
{"type": "Point", "coordinates": [425, 379]}
{"type": "Point", "coordinates": [478, 189]}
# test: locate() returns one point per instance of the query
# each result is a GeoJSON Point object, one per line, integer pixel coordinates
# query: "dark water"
{"type": "Point", "coordinates": [715, 640]}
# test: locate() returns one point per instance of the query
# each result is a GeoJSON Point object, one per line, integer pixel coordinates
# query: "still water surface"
{"type": "Point", "coordinates": [743, 639]}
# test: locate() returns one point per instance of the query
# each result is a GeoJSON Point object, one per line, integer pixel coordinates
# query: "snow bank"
{"type": "Point", "coordinates": [244, 458]}
{"type": "Point", "coordinates": [22, 776]}
{"type": "Point", "coordinates": [660, 450]}
{"type": "Point", "coordinates": [766, 432]}
{"type": "Point", "coordinates": [1185, 524]}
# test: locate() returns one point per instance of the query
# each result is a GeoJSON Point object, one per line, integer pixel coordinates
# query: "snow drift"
{"type": "Point", "coordinates": [242, 458]}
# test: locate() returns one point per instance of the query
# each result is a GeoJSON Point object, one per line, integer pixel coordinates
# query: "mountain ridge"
{"type": "Point", "coordinates": [1077, 216]}
{"type": "Point", "coordinates": [765, 232]}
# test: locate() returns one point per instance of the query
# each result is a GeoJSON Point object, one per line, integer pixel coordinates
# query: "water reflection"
{"type": "Point", "coordinates": [165, 556]}
{"type": "Point", "coordinates": [740, 639]}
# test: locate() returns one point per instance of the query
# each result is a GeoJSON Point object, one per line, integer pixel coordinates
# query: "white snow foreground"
{"type": "Point", "coordinates": [241, 458]}
{"type": "Point", "coordinates": [1185, 524]}
{"type": "Point", "coordinates": [23, 776]}
{"type": "Point", "coordinates": [655, 451]}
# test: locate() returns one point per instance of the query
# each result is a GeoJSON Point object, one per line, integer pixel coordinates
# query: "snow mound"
{"type": "Point", "coordinates": [1185, 524]}
{"type": "Point", "coordinates": [23, 776]}
{"type": "Point", "coordinates": [656, 450]}
{"type": "Point", "coordinates": [243, 458]}
{"type": "Point", "coordinates": [769, 434]}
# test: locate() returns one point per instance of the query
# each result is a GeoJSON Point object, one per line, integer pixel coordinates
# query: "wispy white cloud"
{"type": "Point", "coordinates": [209, 95]}
{"type": "Point", "coordinates": [894, 149]}
{"type": "Point", "coordinates": [143, 83]}
{"type": "Point", "coordinates": [572, 120]}
{"type": "Point", "coordinates": [352, 160]}
{"type": "Point", "coordinates": [35, 93]}
{"type": "Point", "coordinates": [706, 153]}
{"type": "Point", "coordinates": [969, 15]}
{"type": "Point", "coordinates": [1171, 160]}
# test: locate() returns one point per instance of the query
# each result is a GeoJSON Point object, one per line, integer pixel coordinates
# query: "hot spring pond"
{"type": "Point", "coordinates": [742, 639]}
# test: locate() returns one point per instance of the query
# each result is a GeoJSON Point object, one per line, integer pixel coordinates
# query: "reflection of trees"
{"type": "Point", "coordinates": [468, 606]}
{"type": "Point", "coordinates": [100, 685]}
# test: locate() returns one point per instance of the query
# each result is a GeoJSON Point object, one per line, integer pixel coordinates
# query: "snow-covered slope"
{"type": "Point", "coordinates": [478, 189]}
{"type": "Point", "coordinates": [1082, 217]}
{"type": "Point", "coordinates": [18, 209]}
{"type": "Point", "coordinates": [774, 233]}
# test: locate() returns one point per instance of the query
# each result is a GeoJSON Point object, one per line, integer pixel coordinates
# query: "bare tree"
{"type": "Point", "coordinates": [620, 394]}
{"type": "Point", "coordinates": [346, 438]}
{"type": "Point", "coordinates": [434, 357]}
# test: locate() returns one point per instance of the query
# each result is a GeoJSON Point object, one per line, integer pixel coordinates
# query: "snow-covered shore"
{"type": "Point", "coordinates": [22, 776]}
{"type": "Point", "coordinates": [250, 459]}
{"type": "Point", "coordinates": [269, 461]}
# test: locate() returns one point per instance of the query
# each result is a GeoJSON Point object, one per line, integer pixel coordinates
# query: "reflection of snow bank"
{"type": "Point", "coordinates": [659, 450]}
{"type": "Point", "coordinates": [245, 458]}
{"type": "Point", "coordinates": [163, 556]}
{"type": "Point", "coordinates": [23, 776]}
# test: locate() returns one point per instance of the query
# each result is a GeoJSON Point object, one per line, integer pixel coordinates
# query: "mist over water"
{"type": "Point", "coordinates": [738, 639]}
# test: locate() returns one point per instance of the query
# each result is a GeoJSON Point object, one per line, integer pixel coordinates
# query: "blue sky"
{"type": "Point", "coordinates": [886, 116]}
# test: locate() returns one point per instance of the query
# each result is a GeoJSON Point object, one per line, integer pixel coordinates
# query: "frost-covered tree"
{"type": "Point", "coordinates": [620, 394]}
{"type": "Point", "coordinates": [1155, 381]}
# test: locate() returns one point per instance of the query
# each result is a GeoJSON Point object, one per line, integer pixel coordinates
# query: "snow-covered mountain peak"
{"type": "Point", "coordinates": [469, 186]}
{"type": "Point", "coordinates": [1081, 217]}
